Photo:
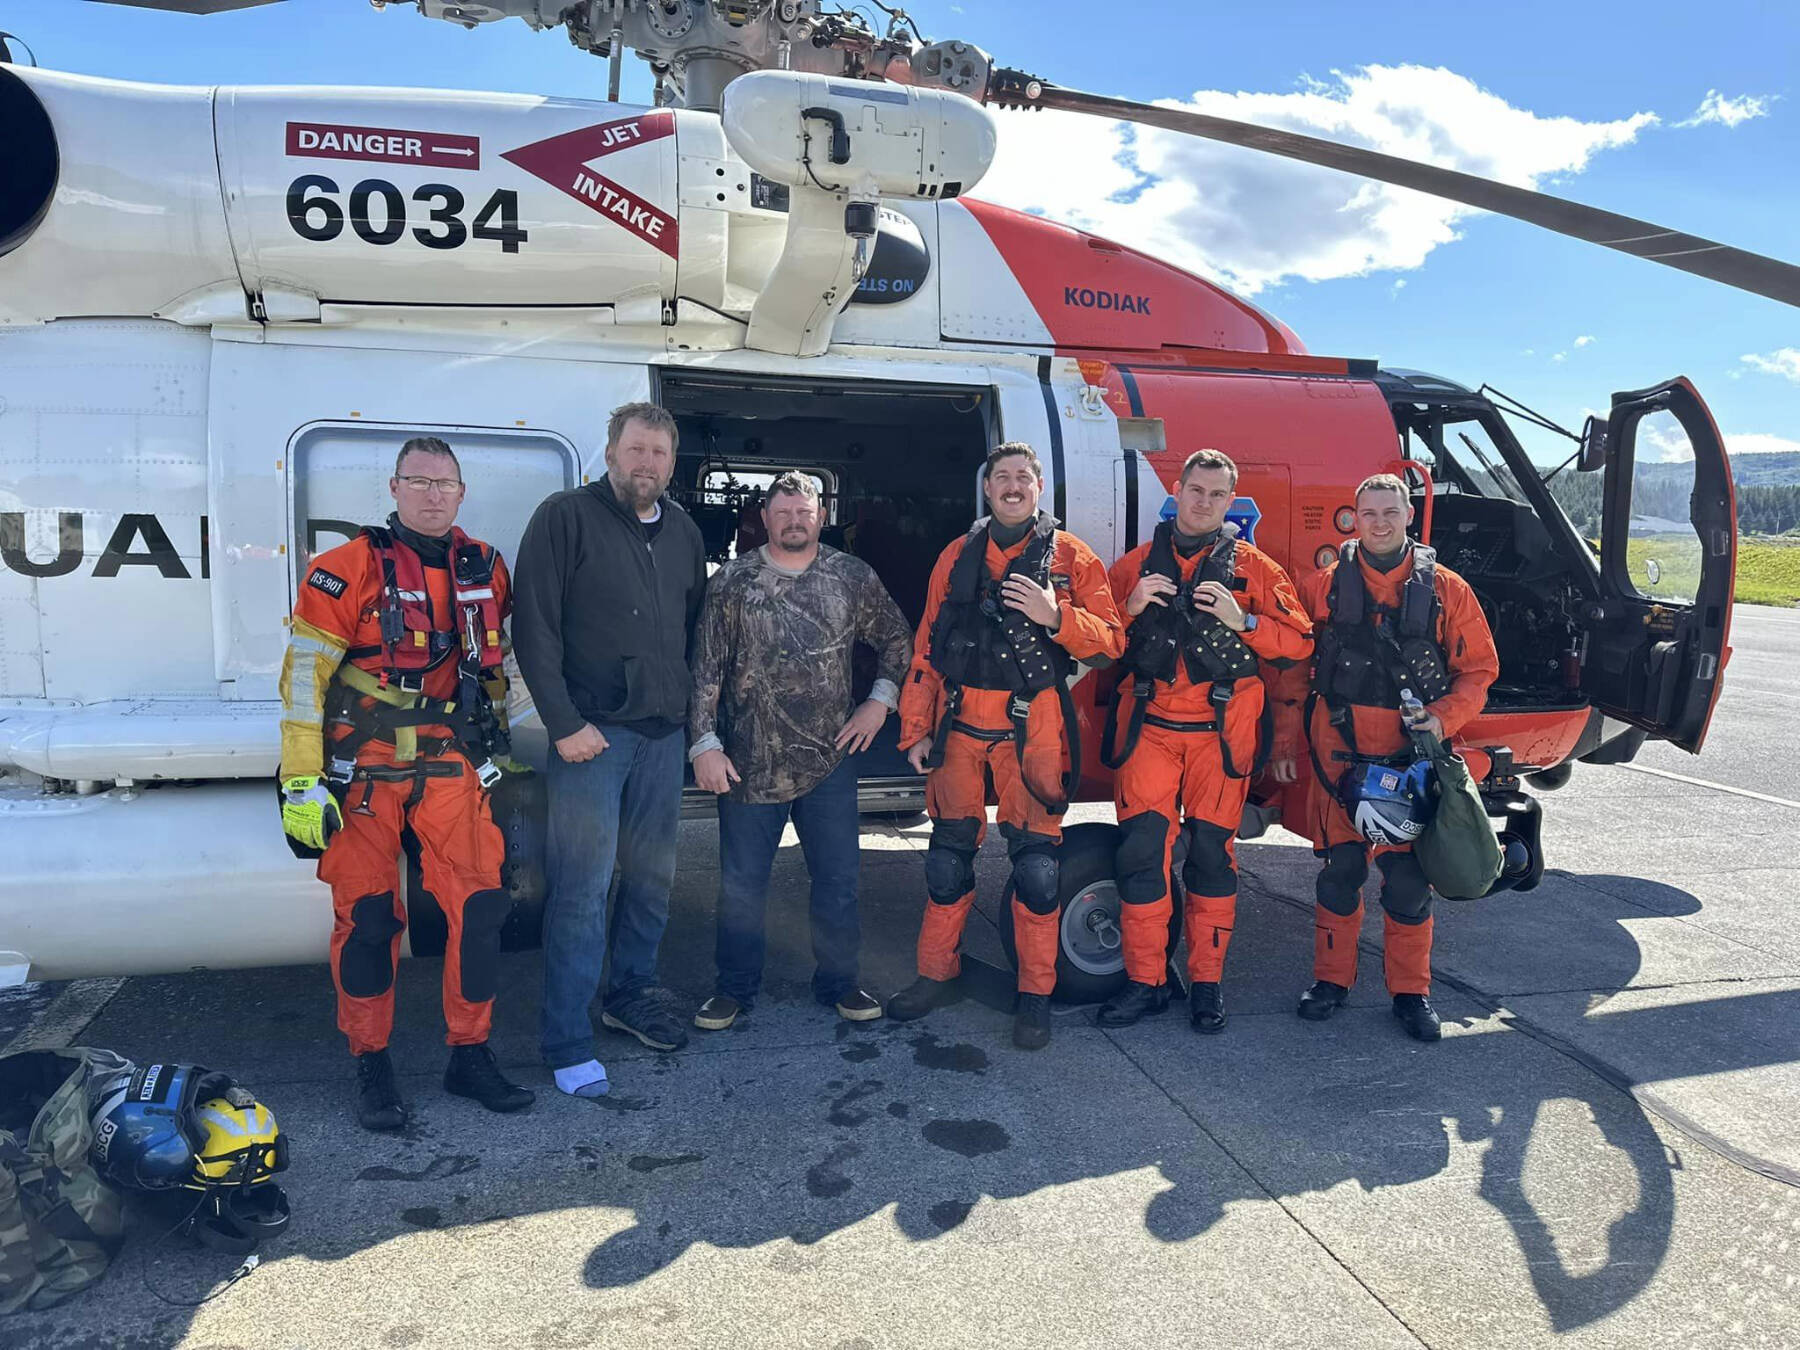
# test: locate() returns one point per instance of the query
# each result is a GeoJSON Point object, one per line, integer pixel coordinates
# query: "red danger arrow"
{"type": "Point", "coordinates": [562, 161]}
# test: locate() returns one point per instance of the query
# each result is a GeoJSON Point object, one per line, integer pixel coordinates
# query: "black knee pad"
{"type": "Point", "coordinates": [366, 965]}
{"type": "Point", "coordinates": [1405, 894]}
{"type": "Point", "coordinates": [1139, 861]}
{"type": "Point", "coordinates": [950, 859]}
{"type": "Point", "coordinates": [483, 913]}
{"type": "Point", "coordinates": [1340, 880]}
{"type": "Point", "coordinates": [1208, 869]}
{"type": "Point", "coordinates": [1035, 874]}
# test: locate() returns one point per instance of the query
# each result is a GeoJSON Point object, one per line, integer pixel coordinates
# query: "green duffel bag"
{"type": "Point", "coordinates": [60, 1224]}
{"type": "Point", "coordinates": [1459, 851]}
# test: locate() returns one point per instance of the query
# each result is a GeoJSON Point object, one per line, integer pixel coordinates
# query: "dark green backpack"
{"type": "Point", "coordinates": [60, 1225]}
{"type": "Point", "coordinates": [1459, 852]}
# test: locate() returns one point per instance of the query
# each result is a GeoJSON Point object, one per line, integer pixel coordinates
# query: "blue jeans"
{"type": "Point", "coordinates": [749, 834]}
{"type": "Point", "coordinates": [624, 805]}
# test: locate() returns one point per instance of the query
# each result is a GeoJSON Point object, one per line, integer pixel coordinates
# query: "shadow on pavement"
{"type": "Point", "coordinates": [796, 1126]}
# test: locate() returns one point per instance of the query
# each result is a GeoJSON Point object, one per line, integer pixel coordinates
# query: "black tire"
{"type": "Point", "coordinates": [1087, 859]}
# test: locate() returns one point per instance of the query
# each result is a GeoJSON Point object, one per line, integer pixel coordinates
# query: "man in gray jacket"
{"type": "Point", "coordinates": [606, 591]}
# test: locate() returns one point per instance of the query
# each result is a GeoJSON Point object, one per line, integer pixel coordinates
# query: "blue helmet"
{"type": "Point", "coordinates": [162, 1128]}
{"type": "Point", "coordinates": [1388, 805]}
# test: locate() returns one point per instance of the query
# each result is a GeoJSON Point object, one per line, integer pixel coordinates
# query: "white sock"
{"type": "Point", "coordinates": [583, 1080]}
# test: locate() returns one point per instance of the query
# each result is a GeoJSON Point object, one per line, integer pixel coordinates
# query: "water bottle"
{"type": "Point", "coordinates": [1412, 712]}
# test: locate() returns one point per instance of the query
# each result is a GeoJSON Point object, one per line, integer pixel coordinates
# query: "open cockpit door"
{"type": "Point", "coordinates": [1668, 561]}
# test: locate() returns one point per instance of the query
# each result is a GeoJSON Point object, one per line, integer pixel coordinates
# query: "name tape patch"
{"type": "Point", "coordinates": [328, 582]}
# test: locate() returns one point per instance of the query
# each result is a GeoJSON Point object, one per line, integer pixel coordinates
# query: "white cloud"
{"type": "Point", "coordinates": [1663, 441]}
{"type": "Point", "coordinates": [1585, 340]}
{"type": "Point", "coordinates": [1729, 112]}
{"type": "Point", "coordinates": [1560, 356]}
{"type": "Point", "coordinates": [1784, 362]}
{"type": "Point", "coordinates": [1759, 443]}
{"type": "Point", "coordinates": [1254, 220]}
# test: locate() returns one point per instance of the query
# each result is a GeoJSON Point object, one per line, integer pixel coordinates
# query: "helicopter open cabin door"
{"type": "Point", "coordinates": [1668, 561]}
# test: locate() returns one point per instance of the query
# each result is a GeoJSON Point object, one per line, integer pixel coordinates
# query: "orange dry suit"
{"type": "Point", "coordinates": [1191, 729]}
{"type": "Point", "coordinates": [990, 687]}
{"type": "Point", "coordinates": [392, 689]}
{"type": "Point", "coordinates": [1416, 626]}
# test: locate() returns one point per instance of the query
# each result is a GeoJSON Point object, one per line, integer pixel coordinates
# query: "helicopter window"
{"type": "Point", "coordinates": [1462, 456]}
{"type": "Point", "coordinates": [722, 485]}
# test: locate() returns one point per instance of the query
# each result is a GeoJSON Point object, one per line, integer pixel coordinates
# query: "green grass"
{"type": "Point", "coordinates": [1768, 571]}
{"type": "Point", "coordinates": [1768, 568]}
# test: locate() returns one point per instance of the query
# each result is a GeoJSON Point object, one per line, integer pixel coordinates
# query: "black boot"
{"type": "Point", "coordinates": [920, 997]}
{"type": "Point", "coordinates": [1031, 1022]}
{"type": "Point", "coordinates": [474, 1074]}
{"type": "Point", "coordinates": [1132, 1004]}
{"type": "Point", "coordinates": [378, 1104]}
{"type": "Point", "coordinates": [1206, 1008]}
{"type": "Point", "coordinates": [1418, 1017]}
{"type": "Point", "coordinates": [1322, 1000]}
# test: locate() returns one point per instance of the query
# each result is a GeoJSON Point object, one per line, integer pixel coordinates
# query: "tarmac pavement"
{"type": "Point", "coordinates": [1599, 1153]}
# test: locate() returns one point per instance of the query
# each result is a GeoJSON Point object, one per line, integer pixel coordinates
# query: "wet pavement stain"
{"type": "Point", "coordinates": [447, 1165]}
{"type": "Point", "coordinates": [844, 1112]}
{"type": "Point", "coordinates": [650, 1162]}
{"type": "Point", "coordinates": [971, 1138]}
{"type": "Point", "coordinates": [425, 1216]}
{"type": "Point", "coordinates": [826, 1180]}
{"type": "Point", "coordinates": [622, 1101]}
{"type": "Point", "coordinates": [947, 1214]}
{"type": "Point", "coordinates": [899, 1110]}
{"type": "Point", "coordinates": [931, 1053]}
{"type": "Point", "coordinates": [664, 1228]}
{"type": "Point", "coordinates": [861, 1054]}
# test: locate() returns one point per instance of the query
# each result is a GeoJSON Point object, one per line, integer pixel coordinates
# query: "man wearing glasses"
{"type": "Point", "coordinates": [392, 705]}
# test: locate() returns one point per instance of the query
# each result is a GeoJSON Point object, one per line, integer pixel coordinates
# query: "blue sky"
{"type": "Point", "coordinates": [1512, 88]}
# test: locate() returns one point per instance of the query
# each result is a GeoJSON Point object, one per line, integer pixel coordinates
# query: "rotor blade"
{"type": "Point", "coordinates": [191, 6]}
{"type": "Point", "coordinates": [1688, 252]}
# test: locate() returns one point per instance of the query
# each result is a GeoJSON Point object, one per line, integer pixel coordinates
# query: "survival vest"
{"type": "Point", "coordinates": [413, 642]}
{"type": "Point", "coordinates": [1367, 663]}
{"type": "Point", "coordinates": [978, 642]}
{"type": "Point", "coordinates": [1165, 635]}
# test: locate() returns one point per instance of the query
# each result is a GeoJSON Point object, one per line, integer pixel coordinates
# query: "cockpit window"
{"type": "Point", "coordinates": [1462, 456]}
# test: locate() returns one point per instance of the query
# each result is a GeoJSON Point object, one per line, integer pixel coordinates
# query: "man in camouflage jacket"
{"type": "Point", "coordinates": [774, 734]}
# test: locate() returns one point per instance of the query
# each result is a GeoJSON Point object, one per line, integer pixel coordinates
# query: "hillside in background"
{"type": "Point", "coordinates": [1768, 492]}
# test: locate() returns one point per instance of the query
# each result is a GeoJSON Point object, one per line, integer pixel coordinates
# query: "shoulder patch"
{"type": "Point", "coordinates": [329, 582]}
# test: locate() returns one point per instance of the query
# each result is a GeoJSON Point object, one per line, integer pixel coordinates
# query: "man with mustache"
{"type": "Point", "coordinates": [610, 577]}
{"type": "Point", "coordinates": [775, 735]}
{"type": "Point", "coordinates": [1011, 607]}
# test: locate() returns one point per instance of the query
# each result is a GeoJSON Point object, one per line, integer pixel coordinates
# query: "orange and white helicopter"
{"type": "Point", "coordinates": [221, 310]}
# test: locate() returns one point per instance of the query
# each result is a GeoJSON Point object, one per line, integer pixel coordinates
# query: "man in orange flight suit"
{"type": "Point", "coordinates": [1438, 647]}
{"type": "Point", "coordinates": [388, 722]}
{"type": "Point", "coordinates": [1202, 609]}
{"type": "Point", "coordinates": [1011, 607]}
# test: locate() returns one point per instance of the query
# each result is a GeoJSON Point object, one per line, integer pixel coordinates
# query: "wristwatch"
{"type": "Point", "coordinates": [1249, 623]}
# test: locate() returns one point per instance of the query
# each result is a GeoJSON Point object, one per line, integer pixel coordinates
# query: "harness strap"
{"type": "Point", "coordinates": [1141, 688]}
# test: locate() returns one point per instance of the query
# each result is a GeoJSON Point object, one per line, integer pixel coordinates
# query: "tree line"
{"type": "Point", "coordinates": [1763, 509]}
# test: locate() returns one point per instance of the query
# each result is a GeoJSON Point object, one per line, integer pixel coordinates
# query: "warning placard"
{"type": "Point", "coordinates": [433, 149]}
{"type": "Point", "coordinates": [565, 162]}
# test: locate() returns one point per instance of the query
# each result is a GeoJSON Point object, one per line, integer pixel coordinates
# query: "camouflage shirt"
{"type": "Point", "coordinates": [772, 681]}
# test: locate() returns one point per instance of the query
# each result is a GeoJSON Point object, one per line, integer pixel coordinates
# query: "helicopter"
{"type": "Point", "coordinates": [223, 309]}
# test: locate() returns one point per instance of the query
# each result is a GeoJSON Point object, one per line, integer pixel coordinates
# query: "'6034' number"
{"type": "Point", "coordinates": [377, 214]}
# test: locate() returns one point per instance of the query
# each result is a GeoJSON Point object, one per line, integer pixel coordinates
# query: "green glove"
{"type": "Point", "coordinates": [309, 813]}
